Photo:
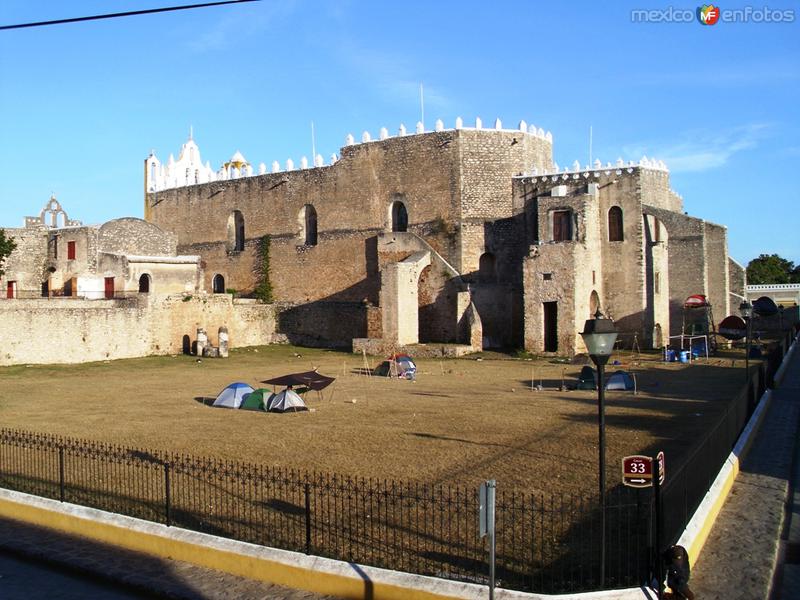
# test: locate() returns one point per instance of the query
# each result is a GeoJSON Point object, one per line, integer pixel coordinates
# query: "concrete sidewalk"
{"type": "Point", "coordinates": [741, 556]}
{"type": "Point", "coordinates": [152, 576]}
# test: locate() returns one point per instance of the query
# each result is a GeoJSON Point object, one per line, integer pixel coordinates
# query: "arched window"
{"type": "Point", "coordinates": [594, 303]}
{"type": "Point", "coordinates": [144, 284]}
{"type": "Point", "coordinates": [615, 224]}
{"type": "Point", "coordinates": [399, 216]}
{"type": "Point", "coordinates": [218, 284]}
{"type": "Point", "coordinates": [487, 272]}
{"type": "Point", "coordinates": [308, 225]}
{"type": "Point", "coordinates": [236, 231]}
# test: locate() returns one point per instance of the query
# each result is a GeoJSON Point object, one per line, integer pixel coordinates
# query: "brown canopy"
{"type": "Point", "coordinates": [310, 379]}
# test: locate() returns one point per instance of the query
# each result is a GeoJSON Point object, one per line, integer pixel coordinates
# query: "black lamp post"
{"type": "Point", "coordinates": [599, 335]}
{"type": "Point", "coordinates": [746, 310]}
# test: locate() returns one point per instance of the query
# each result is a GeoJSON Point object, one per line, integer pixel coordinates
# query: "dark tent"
{"type": "Point", "coordinates": [620, 380]}
{"type": "Point", "coordinates": [587, 379]}
{"type": "Point", "coordinates": [309, 379]}
{"type": "Point", "coordinates": [765, 307]}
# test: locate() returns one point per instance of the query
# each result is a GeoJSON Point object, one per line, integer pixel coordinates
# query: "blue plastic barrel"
{"type": "Point", "coordinates": [684, 356]}
{"type": "Point", "coordinates": [669, 355]}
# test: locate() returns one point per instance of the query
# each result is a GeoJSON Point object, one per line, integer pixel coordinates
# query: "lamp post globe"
{"type": "Point", "coordinates": [746, 310]}
{"type": "Point", "coordinates": [599, 335]}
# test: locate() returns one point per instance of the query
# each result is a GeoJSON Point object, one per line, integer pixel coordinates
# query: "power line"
{"type": "Point", "coordinates": [122, 14]}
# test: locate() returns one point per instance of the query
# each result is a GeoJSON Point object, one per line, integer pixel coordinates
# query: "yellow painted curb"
{"type": "Point", "coordinates": [251, 567]}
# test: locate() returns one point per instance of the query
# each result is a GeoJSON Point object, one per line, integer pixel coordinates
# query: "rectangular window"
{"type": "Point", "coordinates": [547, 276]}
{"type": "Point", "coordinates": [70, 250]}
{"type": "Point", "coordinates": [562, 225]}
{"type": "Point", "coordinates": [657, 283]}
{"type": "Point", "coordinates": [54, 239]}
{"type": "Point", "coordinates": [594, 278]}
{"type": "Point", "coordinates": [11, 289]}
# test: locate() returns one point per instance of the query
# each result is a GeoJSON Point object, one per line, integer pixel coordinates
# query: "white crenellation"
{"type": "Point", "coordinates": [189, 170]}
{"type": "Point", "coordinates": [596, 169]}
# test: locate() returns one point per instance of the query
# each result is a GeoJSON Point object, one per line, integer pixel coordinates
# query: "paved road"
{"type": "Point", "coordinates": [22, 579]}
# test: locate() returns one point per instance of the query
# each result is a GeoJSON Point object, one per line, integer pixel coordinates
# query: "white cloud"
{"type": "Point", "coordinates": [701, 150]}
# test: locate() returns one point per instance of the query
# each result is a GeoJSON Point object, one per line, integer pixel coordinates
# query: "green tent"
{"type": "Point", "coordinates": [256, 400]}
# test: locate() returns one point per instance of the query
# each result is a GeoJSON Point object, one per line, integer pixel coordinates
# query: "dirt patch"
{"type": "Point", "coordinates": [462, 421]}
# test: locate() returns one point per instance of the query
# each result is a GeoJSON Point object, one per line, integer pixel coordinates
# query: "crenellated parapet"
{"type": "Point", "coordinates": [597, 169]}
{"type": "Point", "coordinates": [189, 169]}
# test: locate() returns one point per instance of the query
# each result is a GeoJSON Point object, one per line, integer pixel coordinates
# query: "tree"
{"type": "Point", "coordinates": [771, 268]}
{"type": "Point", "coordinates": [7, 246]}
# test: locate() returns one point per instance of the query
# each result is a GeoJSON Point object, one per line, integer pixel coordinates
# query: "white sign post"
{"type": "Point", "coordinates": [486, 524]}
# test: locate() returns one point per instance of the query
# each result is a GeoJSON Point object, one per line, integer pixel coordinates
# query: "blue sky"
{"type": "Point", "coordinates": [81, 105]}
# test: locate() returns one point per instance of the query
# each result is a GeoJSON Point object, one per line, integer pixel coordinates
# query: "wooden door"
{"type": "Point", "coordinates": [10, 289]}
{"type": "Point", "coordinates": [109, 287]}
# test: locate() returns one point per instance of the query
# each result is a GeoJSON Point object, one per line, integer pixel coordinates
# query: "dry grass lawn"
{"type": "Point", "coordinates": [462, 421]}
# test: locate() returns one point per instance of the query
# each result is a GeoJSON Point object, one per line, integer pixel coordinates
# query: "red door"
{"type": "Point", "coordinates": [109, 287]}
{"type": "Point", "coordinates": [10, 289]}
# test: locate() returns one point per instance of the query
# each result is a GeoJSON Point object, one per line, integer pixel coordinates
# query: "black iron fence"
{"type": "Point", "coordinates": [545, 542]}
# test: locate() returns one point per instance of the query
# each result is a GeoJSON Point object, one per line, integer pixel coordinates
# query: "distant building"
{"type": "Point", "coordinates": [57, 256]}
{"type": "Point", "coordinates": [783, 294]}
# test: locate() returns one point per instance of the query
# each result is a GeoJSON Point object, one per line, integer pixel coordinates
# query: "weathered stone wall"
{"type": "Point", "coordinates": [325, 324]}
{"type": "Point", "coordinates": [134, 236]}
{"type": "Point", "coordinates": [656, 326]}
{"type": "Point", "coordinates": [28, 263]}
{"type": "Point", "coordinates": [717, 269]}
{"type": "Point", "coordinates": [737, 278]}
{"type": "Point", "coordinates": [687, 260]}
{"type": "Point", "coordinates": [62, 330]}
{"type": "Point", "coordinates": [655, 191]}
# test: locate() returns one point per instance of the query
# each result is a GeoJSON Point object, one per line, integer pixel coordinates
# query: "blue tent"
{"type": "Point", "coordinates": [620, 380]}
{"type": "Point", "coordinates": [233, 395]}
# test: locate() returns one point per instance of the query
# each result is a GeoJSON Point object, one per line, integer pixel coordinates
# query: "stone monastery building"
{"type": "Point", "coordinates": [468, 236]}
{"type": "Point", "coordinates": [455, 239]}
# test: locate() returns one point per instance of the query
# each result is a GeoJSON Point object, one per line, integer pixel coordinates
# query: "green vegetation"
{"type": "Point", "coordinates": [263, 290]}
{"type": "Point", "coordinates": [771, 268]}
{"type": "Point", "coordinates": [7, 246]}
